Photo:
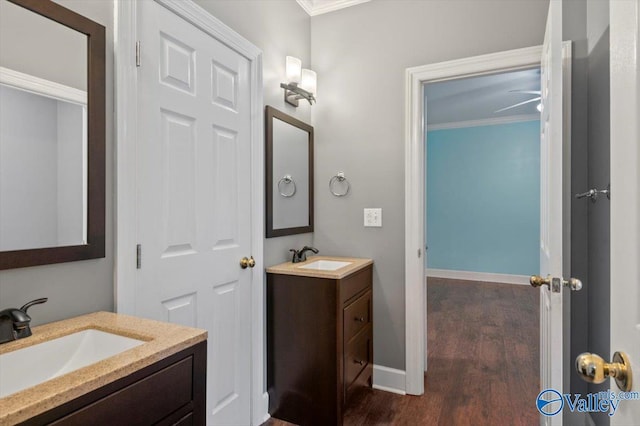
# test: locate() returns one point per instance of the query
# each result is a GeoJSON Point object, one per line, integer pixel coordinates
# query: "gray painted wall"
{"type": "Point", "coordinates": [574, 29]}
{"type": "Point", "coordinates": [78, 287]}
{"type": "Point", "coordinates": [360, 55]}
{"type": "Point", "coordinates": [599, 168]}
{"type": "Point", "coordinates": [586, 23]}
{"type": "Point", "coordinates": [279, 28]}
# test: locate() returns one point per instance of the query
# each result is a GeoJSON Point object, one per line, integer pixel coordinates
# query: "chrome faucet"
{"type": "Point", "coordinates": [301, 255]}
{"type": "Point", "coordinates": [15, 323]}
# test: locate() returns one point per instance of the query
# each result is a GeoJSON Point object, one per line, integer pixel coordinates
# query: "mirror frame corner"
{"type": "Point", "coordinates": [96, 147]}
{"type": "Point", "coordinates": [270, 114]}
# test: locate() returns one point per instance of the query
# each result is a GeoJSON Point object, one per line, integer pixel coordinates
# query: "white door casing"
{"type": "Point", "coordinates": [415, 294]}
{"type": "Point", "coordinates": [198, 191]}
{"type": "Point", "coordinates": [625, 196]}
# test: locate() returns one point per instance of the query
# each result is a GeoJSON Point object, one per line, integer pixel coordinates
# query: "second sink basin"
{"type": "Point", "coordinates": [325, 265]}
{"type": "Point", "coordinates": [35, 364]}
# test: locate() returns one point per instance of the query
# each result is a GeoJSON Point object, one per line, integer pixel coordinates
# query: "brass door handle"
{"type": "Point", "coordinates": [250, 262]}
{"type": "Point", "coordinates": [593, 369]}
{"type": "Point", "coordinates": [538, 281]}
{"type": "Point", "coordinates": [555, 284]}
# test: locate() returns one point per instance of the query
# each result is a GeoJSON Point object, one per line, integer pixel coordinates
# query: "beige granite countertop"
{"type": "Point", "coordinates": [289, 268]}
{"type": "Point", "coordinates": [162, 340]}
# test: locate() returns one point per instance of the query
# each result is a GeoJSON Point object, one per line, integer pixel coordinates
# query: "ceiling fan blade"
{"type": "Point", "coordinates": [518, 104]}
{"type": "Point", "coordinates": [529, 92]}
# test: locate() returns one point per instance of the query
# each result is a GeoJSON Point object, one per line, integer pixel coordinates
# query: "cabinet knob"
{"type": "Point", "coordinates": [359, 319]}
{"type": "Point", "coordinates": [359, 362]}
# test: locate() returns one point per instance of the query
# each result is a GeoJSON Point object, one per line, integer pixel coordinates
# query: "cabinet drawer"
{"type": "Point", "coordinates": [357, 356]}
{"type": "Point", "coordinates": [355, 284]}
{"type": "Point", "coordinates": [357, 316]}
{"type": "Point", "coordinates": [162, 392]}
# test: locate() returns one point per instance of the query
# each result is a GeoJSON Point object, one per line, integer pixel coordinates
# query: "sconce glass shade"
{"type": "Point", "coordinates": [294, 66]}
{"type": "Point", "coordinates": [309, 82]}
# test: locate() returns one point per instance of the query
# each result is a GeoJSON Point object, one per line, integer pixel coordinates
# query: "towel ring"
{"type": "Point", "coordinates": [339, 178]}
{"type": "Point", "coordinates": [287, 179]}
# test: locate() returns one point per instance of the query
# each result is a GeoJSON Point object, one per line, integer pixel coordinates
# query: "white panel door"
{"type": "Point", "coordinates": [551, 215]}
{"type": "Point", "coordinates": [194, 169]}
{"type": "Point", "coordinates": [625, 197]}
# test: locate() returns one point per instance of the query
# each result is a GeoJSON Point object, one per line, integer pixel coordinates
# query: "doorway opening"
{"type": "Point", "coordinates": [482, 233]}
{"type": "Point", "coordinates": [415, 182]}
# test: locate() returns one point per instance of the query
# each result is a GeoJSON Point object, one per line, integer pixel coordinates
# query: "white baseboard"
{"type": "Point", "coordinates": [478, 276]}
{"type": "Point", "coordinates": [389, 379]}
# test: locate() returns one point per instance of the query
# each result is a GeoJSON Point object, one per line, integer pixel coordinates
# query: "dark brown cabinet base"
{"type": "Point", "coordinates": [170, 392]}
{"type": "Point", "coordinates": [319, 345]}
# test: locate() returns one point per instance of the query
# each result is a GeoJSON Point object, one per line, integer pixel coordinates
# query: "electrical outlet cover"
{"type": "Point", "coordinates": [373, 217]}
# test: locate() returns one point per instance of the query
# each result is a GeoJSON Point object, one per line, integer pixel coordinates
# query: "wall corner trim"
{"type": "Point", "coordinates": [478, 276]}
{"type": "Point", "coordinates": [389, 379]}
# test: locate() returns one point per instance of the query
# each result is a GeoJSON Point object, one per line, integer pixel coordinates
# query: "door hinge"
{"type": "Point", "coordinates": [137, 53]}
{"type": "Point", "coordinates": [139, 256]}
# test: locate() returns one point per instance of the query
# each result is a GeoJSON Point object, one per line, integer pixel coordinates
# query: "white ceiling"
{"type": "Point", "coordinates": [477, 98]}
{"type": "Point", "coordinates": [318, 7]}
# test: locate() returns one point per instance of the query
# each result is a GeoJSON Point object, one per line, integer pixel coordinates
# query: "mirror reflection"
{"type": "Point", "coordinates": [43, 132]}
{"type": "Point", "coordinates": [289, 174]}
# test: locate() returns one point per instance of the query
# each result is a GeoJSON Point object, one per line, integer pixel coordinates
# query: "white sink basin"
{"type": "Point", "coordinates": [38, 363]}
{"type": "Point", "coordinates": [325, 265]}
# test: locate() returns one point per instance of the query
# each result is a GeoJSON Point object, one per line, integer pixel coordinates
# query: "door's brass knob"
{"type": "Point", "coordinates": [247, 262]}
{"type": "Point", "coordinates": [555, 284]}
{"type": "Point", "coordinates": [593, 369]}
{"type": "Point", "coordinates": [538, 281]}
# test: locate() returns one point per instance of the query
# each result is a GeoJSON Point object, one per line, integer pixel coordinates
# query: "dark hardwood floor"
{"type": "Point", "coordinates": [483, 361]}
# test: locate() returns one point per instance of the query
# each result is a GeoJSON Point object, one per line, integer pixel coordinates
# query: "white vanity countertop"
{"type": "Point", "coordinates": [161, 340]}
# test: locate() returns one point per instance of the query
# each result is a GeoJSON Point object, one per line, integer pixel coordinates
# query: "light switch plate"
{"type": "Point", "coordinates": [373, 218]}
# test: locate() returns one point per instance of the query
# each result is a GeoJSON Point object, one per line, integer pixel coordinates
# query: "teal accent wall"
{"type": "Point", "coordinates": [483, 198]}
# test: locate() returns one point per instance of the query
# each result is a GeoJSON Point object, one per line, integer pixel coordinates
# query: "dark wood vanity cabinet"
{"type": "Point", "coordinates": [171, 391]}
{"type": "Point", "coordinates": [319, 344]}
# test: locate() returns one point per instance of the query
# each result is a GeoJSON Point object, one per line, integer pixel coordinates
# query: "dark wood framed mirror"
{"type": "Point", "coordinates": [45, 45]}
{"type": "Point", "coordinates": [289, 174]}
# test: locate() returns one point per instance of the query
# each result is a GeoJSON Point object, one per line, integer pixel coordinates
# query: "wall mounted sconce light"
{"type": "Point", "coordinates": [301, 83]}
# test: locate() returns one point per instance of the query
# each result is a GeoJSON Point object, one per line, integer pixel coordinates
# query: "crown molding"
{"type": "Point", "coordinates": [40, 86]}
{"type": "Point", "coordinates": [318, 7]}
{"type": "Point", "coordinates": [484, 122]}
